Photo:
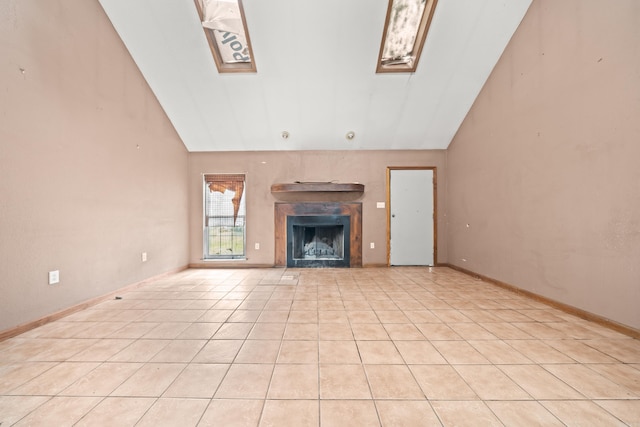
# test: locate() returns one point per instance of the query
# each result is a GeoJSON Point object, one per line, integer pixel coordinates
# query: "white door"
{"type": "Point", "coordinates": [411, 222]}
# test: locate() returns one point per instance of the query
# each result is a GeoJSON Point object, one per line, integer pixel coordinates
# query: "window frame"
{"type": "Point", "coordinates": [421, 36]}
{"type": "Point", "coordinates": [223, 67]}
{"type": "Point", "coordinates": [205, 227]}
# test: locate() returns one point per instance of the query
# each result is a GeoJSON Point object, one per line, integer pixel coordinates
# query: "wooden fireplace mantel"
{"type": "Point", "coordinates": [307, 187]}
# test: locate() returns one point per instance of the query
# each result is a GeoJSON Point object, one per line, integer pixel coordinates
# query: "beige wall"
{"type": "Point", "coordinates": [91, 171]}
{"type": "Point", "coordinates": [545, 168]}
{"type": "Point", "coordinates": [365, 167]}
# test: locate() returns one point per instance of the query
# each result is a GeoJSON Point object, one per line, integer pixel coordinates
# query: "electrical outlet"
{"type": "Point", "coordinates": [144, 257]}
{"type": "Point", "coordinates": [372, 245]}
{"type": "Point", "coordinates": [257, 246]}
{"type": "Point", "coordinates": [54, 277]}
{"type": "Point", "coordinates": [380, 205]}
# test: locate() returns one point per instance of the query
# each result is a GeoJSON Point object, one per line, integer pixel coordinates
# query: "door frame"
{"type": "Point", "coordinates": [435, 208]}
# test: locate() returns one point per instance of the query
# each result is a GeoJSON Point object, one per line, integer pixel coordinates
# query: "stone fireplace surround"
{"type": "Point", "coordinates": [351, 209]}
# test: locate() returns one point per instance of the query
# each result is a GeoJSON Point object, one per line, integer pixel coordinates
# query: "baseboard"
{"type": "Point", "coordinates": [230, 264]}
{"type": "Point", "coordinates": [583, 314]}
{"type": "Point", "coordinates": [221, 265]}
{"type": "Point", "coordinates": [20, 329]}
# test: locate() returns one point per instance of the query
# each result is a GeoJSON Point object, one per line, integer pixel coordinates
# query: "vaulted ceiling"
{"type": "Point", "coordinates": [316, 79]}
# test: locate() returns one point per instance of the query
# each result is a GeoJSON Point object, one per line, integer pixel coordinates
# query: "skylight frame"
{"type": "Point", "coordinates": [221, 65]}
{"type": "Point", "coordinates": [421, 36]}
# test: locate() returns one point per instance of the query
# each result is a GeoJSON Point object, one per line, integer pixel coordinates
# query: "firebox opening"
{"type": "Point", "coordinates": [318, 241]}
{"type": "Point", "coordinates": [321, 242]}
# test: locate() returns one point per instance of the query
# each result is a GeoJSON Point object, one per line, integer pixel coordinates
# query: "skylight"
{"type": "Point", "coordinates": [225, 26]}
{"type": "Point", "coordinates": [405, 31]}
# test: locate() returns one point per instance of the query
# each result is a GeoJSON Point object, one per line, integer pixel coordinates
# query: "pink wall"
{"type": "Point", "coordinates": [366, 167]}
{"type": "Point", "coordinates": [543, 180]}
{"type": "Point", "coordinates": [91, 171]}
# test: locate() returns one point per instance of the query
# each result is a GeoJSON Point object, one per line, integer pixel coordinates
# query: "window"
{"type": "Point", "coordinates": [405, 31]}
{"type": "Point", "coordinates": [224, 216]}
{"type": "Point", "coordinates": [225, 27]}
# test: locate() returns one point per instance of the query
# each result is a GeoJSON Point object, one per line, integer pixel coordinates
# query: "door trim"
{"type": "Point", "coordinates": [435, 208]}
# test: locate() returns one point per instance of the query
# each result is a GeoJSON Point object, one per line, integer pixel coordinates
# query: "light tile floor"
{"type": "Point", "coordinates": [332, 347]}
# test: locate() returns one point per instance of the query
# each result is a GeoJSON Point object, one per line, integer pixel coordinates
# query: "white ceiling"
{"type": "Point", "coordinates": [316, 77]}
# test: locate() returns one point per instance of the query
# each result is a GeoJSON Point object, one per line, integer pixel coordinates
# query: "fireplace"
{"type": "Point", "coordinates": [324, 234]}
{"type": "Point", "coordinates": [318, 241]}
